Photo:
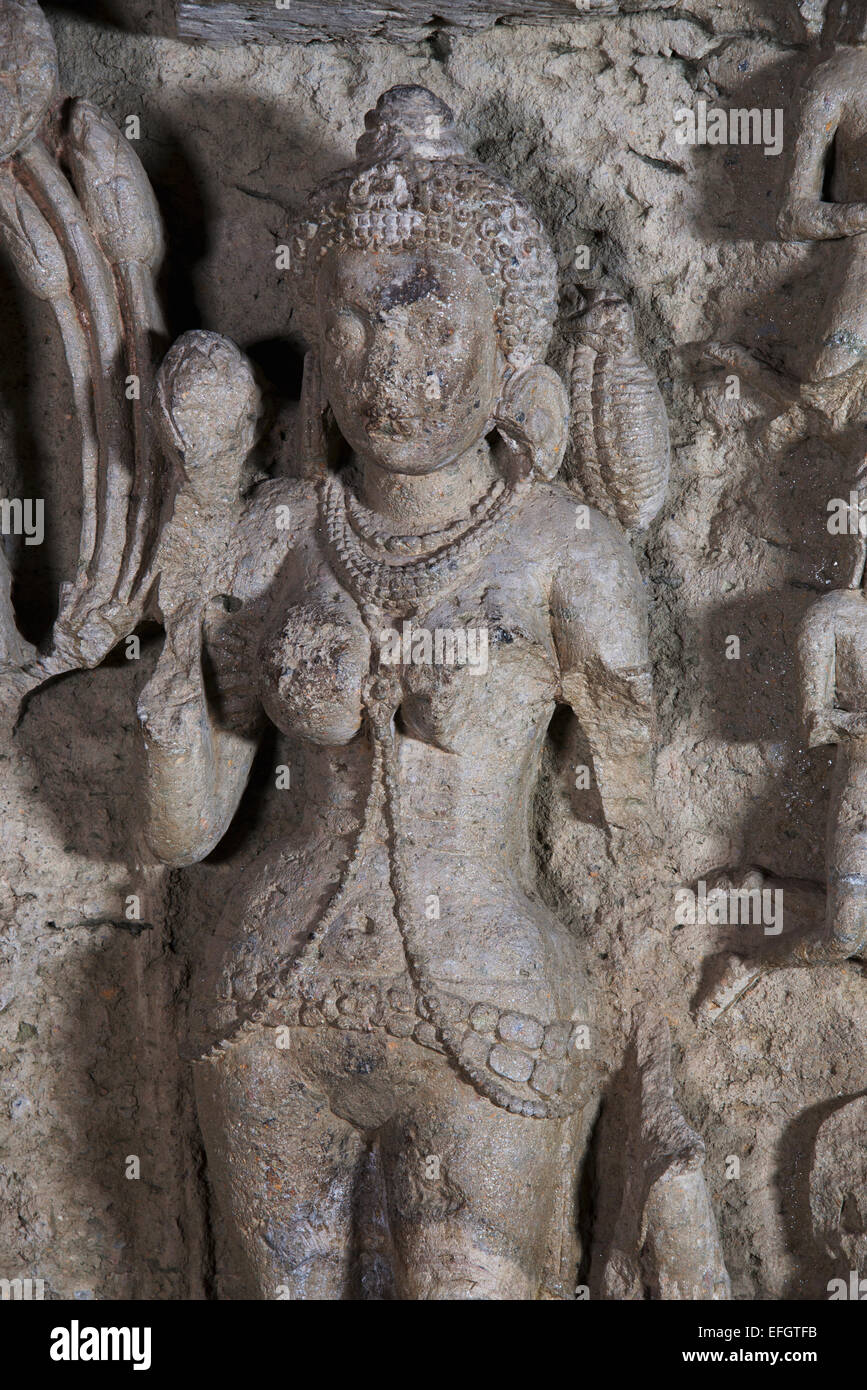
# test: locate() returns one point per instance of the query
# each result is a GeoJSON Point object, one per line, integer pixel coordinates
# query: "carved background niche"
{"type": "Point", "coordinates": [222, 21]}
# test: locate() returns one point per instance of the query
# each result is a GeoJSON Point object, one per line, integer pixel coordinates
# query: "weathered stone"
{"type": "Point", "coordinates": [510, 1062]}
{"type": "Point", "coordinates": [787, 1048]}
{"type": "Point", "coordinates": [838, 1188]}
{"type": "Point", "coordinates": [401, 1025]}
{"type": "Point", "coordinates": [547, 1078]}
{"type": "Point", "coordinates": [426, 1034]}
{"type": "Point", "coordinates": [483, 1018]}
{"type": "Point", "coordinates": [556, 1040]}
{"type": "Point", "coordinates": [521, 1029]}
{"type": "Point", "coordinates": [226, 21]}
{"type": "Point", "coordinates": [401, 999]}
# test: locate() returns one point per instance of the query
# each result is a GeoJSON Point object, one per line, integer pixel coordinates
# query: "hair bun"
{"type": "Point", "coordinates": [409, 120]}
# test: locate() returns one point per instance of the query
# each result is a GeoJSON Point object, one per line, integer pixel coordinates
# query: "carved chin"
{"type": "Point", "coordinates": [418, 445]}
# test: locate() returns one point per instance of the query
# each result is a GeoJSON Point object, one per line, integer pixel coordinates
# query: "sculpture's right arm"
{"type": "Point", "coordinates": [816, 670]}
{"type": "Point", "coordinates": [196, 769]}
{"type": "Point", "coordinates": [805, 215]}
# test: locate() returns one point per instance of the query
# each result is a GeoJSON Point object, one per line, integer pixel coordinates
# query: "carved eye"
{"type": "Point", "coordinates": [345, 331]}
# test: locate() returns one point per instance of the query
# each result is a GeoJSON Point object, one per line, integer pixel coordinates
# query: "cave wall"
{"type": "Point", "coordinates": [580, 117]}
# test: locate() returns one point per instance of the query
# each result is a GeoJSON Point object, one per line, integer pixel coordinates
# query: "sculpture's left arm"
{"type": "Point", "coordinates": [805, 214]}
{"type": "Point", "coordinates": [599, 616]}
{"type": "Point", "coordinates": [816, 669]}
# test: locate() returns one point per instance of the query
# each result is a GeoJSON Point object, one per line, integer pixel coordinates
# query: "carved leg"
{"type": "Point", "coordinates": [284, 1168]}
{"type": "Point", "coordinates": [471, 1194]}
{"type": "Point", "coordinates": [844, 331]}
{"type": "Point", "coordinates": [846, 911]}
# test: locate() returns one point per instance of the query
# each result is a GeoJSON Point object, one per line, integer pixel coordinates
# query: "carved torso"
{"type": "Point", "coordinates": [468, 743]}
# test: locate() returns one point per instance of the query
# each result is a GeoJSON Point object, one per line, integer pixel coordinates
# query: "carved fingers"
{"type": "Point", "coordinates": [28, 74]}
{"type": "Point", "coordinates": [122, 212]}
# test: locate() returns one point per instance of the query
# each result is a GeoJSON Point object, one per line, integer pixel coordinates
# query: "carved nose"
{"type": "Point", "coordinates": [390, 366]}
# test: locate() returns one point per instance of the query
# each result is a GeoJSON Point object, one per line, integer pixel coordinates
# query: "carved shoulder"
{"type": "Point", "coordinates": [597, 596]}
{"type": "Point", "coordinates": [277, 520]}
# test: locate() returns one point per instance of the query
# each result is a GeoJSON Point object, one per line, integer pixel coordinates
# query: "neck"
{"type": "Point", "coordinates": [413, 504]}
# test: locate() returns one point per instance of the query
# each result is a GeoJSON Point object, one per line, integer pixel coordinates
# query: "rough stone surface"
{"type": "Point", "coordinates": [222, 21]}
{"type": "Point", "coordinates": [580, 118]}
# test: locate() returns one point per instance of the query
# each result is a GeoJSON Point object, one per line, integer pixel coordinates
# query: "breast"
{"type": "Point", "coordinates": [455, 699]}
{"type": "Point", "coordinates": [312, 661]}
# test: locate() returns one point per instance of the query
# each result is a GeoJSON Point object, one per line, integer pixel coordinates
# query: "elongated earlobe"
{"type": "Point", "coordinates": [533, 419]}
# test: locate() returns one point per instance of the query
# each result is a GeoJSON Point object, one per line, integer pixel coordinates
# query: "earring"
{"type": "Point", "coordinates": [532, 418]}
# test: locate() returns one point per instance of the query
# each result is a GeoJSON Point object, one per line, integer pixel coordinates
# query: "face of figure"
{"type": "Point", "coordinates": [208, 408]}
{"type": "Point", "coordinates": [409, 356]}
{"type": "Point", "coordinates": [852, 20]}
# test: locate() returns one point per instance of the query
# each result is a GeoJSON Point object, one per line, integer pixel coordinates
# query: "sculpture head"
{"type": "Point", "coordinates": [207, 406]}
{"type": "Point", "coordinates": [425, 286]}
{"type": "Point", "coordinates": [846, 22]}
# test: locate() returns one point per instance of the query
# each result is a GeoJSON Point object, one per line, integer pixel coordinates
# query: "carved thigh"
{"type": "Point", "coordinates": [285, 1170]}
{"type": "Point", "coordinates": [845, 320]}
{"type": "Point", "coordinates": [471, 1194]}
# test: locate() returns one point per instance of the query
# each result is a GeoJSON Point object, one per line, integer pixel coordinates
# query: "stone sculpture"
{"type": "Point", "coordinates": [838, 1191]}
{"type": "Point", "coordinates": [832, 679]}
{"type": "Point", "coordinates": [89, 243]}
{"type": "Point", "coordinates": [827, 192]}
{"type": "Point", "coordinates": [832, 651]}
{"type": "Point", "coordinates": [396, 1055]}
{"type": "Point", "coordinates": [619, 426]}
{"type": "Point", "coordinates": [663, 1235]}
{"type": "Point", "coordinates": [428, 1005]}
{"type": "Point", "coordinates": [220, 21]}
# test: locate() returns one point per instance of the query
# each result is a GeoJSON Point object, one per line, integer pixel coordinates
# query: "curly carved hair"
{"type": "Point", "coordinates": [413, 184]}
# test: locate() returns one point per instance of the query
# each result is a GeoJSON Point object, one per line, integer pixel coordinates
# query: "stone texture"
{"type": "Point", "coordinates": [838, 1188]}
{"type": "Point", "coordinates": [222, 21]}
{"type": "Point", "coordinates": [580, 118]}
{"type": "Point", "coordinates": [510, 1062]}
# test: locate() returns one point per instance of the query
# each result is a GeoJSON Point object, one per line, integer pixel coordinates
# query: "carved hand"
{"type": "Point", "coordinates": [809, 219]}
{"type": "Point", "coordinates": [842, 721]}
{"type": "Point", "coordinates": [171, 707]}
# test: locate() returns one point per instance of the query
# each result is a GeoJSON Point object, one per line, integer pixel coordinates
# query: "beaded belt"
{"type": "Point", "coordinates": [513, 1046]}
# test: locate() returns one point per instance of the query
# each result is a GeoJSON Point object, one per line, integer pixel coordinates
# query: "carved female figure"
{"type": "Point", "coordinates": [395, 1036]}
{"type": "Point", "coordinates": [826, 198]}
{"type": "Point", "coordinates": [832, 655]}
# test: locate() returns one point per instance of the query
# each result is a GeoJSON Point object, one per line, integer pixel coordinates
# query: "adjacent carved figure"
{"type": "Point", "coordinates": [832, 657]}
{"type": "Point", "coordinates": [832, 681]}
{"type": "Point", "coordinates": [827, 193]}
{"type": "Point", "coordinates": [662, 1234]}
{"type": "Point", "coordinates": [838, 1191]}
